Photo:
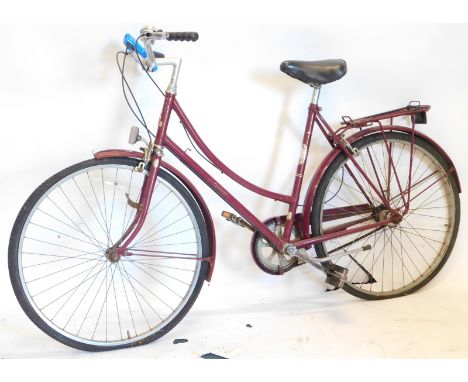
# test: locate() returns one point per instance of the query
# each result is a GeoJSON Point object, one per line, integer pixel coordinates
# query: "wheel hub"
{"type": "Point", "coordinates": [112, 255]}
{"type": "Point", "coordinates": [386, 214]}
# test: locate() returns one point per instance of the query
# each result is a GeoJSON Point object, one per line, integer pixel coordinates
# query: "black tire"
{"type": "Point", "coordinates": [316, 214]}
{"type": "Point", "coordinates": [22, 218]}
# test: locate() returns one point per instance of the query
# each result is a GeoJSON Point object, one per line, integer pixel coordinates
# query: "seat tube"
{"type": "Point", "coordinates": [313, 110]}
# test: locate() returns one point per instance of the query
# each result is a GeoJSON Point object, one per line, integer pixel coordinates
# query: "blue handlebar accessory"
{"type": "Point", "coordinates": [131, 44]}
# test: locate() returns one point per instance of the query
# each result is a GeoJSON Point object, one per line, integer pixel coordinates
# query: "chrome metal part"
{"type": "Point", "coordinates": [112, 255]}
{"type": "Point", "coordinates": [175, 63]}
{"type": "Point", "coordinates": [352, 149]}
{"type": "Point", "coordinates": [266, 255]}
{"type": "Point", "coordinates": [147, 143]}
{"type": "Point", "coordinates": [315, 95]}
{"type": "Point", "coordinates": [290, 249]}
{"type": "Point", "coordinates": [141, 166]}
{"type": "Point", "coordinates": [149, 35]}
{"type": "Point", "coordinates": [304, 256]}
{"type": "Point", "coordinates": [158, 150]}
{"type": "Point", "coordinates": [394, 217]}
{"type": "Point", "coordinates": [335, 275]}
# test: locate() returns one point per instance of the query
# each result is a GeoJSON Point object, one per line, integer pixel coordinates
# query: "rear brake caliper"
{"type": "Point", "coordinates": [352, 149]}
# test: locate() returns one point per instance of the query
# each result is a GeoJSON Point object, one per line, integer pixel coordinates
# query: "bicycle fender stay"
{"type": "Point", "coordinates": [113, 153]}
{"type": "Point", "coordinates": [310, 195]}
{"type": "Point", "coordinates": [417, 133]}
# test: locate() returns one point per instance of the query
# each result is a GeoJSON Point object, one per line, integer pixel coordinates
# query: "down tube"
{"type": "Point", "coordinates": [222, 192]}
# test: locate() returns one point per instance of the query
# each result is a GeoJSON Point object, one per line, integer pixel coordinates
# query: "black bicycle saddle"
{"type": "Point", "coordinates": [315, 73]}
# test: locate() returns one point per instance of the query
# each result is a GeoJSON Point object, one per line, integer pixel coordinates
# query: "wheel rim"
{"type": "Point", "coordinates": [405, 254]}
{"type": "Point", "coordinates": [92, 299]}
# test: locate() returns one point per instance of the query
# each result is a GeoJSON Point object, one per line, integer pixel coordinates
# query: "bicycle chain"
{"type": "Point", "coordinates": [355, 240]}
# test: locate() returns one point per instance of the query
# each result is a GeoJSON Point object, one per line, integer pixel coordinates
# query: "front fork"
{"type": "Point", "coordinates": [121, 245]}
{"type": "Point", "coordinates": [155, 157]}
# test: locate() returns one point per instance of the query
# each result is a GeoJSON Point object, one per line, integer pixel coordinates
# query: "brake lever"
{"type": "Point", "coordinates": [152, 34]}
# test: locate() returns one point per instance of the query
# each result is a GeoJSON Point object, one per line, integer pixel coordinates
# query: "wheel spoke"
{"type": "Point", "coordinates": [76, 289]}
{"type": "Point", "coordinates": [90, 208]}
{"type": "Point", "coordinates": [406, 252]}
{"type": "Point", "coordinates": [79, 289]}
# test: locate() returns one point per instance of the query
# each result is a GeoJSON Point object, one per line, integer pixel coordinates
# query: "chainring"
{"type": "Point", "coordinates": [265, 255]}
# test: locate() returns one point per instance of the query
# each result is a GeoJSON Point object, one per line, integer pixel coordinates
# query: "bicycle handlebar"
{"type": "Point", "coordinates": [148, 58]}
{"type": "Point", "coordinates": [151, 34]}
{"type": "Point", "coordinates": [182, 36]}
{"type": "Point", "coordinates": [131, 44]}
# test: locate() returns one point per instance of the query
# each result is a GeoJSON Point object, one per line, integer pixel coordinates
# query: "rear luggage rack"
{"type": "Point", "coordinates": [414, 109]}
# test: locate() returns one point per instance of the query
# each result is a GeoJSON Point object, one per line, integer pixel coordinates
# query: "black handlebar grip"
{"type": "Point", "coordinates": [182, 36]}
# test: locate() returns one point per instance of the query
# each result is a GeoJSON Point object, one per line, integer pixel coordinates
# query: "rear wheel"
{"type": "Point", "coordinates": [404, 256]}
{"type": "Point", "coordinates": [69, 285]}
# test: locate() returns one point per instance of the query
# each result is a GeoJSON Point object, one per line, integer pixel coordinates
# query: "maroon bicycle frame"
{"type": "Point", "coordinates": [162, 140]}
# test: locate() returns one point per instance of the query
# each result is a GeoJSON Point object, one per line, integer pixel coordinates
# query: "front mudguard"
{"type": "Point", "coordinates": [310, 195]}
{"type": "Point", "coordinates": [190, 187]}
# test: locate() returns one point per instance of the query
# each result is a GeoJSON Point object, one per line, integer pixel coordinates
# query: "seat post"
{"type": "Point", "coordinates": [315, 94]}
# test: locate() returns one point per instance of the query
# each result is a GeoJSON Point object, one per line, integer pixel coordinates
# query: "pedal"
{"type": "Point", "coordinates": [336, 275]}
{"type": "Point", "coordinates": [237, 220]}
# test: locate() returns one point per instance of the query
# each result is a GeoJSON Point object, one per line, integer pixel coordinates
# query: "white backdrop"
{"type": "Point", "coordinates": [60, 100]}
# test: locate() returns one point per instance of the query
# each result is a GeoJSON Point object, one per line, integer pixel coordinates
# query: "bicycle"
{"type": "Point", "coordinates": [112, 252]}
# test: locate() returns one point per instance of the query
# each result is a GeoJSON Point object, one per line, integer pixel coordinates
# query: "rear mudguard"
{"type": "Point", "coordinates": [190, 187]}
{"type": "Point", "coordinates": [310, 195]}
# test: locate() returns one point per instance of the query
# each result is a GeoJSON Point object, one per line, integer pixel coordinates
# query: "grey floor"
{"type": "Point", "coordinates": [427, 324]}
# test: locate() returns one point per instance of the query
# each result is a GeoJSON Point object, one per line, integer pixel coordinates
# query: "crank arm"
{"type": "Point", "coordinates": [336, 274]}
{"type": "Point", "coordinates": [367, 247]}
{"type": "Point", "coordinates": [302, 255]}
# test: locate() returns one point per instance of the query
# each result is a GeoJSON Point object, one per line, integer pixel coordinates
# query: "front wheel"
{"type": "Point", "coordinates": [76, 294]}
{"type": "Point", "coordinates": [406, 255]}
